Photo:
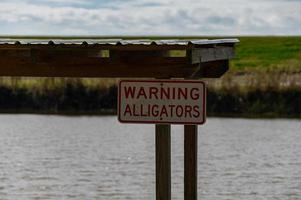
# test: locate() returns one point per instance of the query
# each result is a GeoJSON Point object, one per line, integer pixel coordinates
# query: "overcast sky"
{"type": "Point", "coordinates": [144, 17]}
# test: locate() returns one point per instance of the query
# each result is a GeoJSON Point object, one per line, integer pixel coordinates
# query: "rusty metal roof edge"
{"type": "Point", "coordinates": [115, 42]}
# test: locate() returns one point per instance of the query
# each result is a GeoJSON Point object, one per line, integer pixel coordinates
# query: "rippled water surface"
{"type": "Point", "coordinates": [54, 157]}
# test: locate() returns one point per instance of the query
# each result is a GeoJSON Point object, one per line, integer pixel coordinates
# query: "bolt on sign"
{"type": "Point", "coordinates": [162, 101]}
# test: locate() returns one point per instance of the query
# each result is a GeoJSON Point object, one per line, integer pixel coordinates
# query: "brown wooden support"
{"type": "Point", "coordinates": [163, 162]}
{"type": "Point", "coordinates": [190, 162]}
{"type": "Point", "coordinates": [191, 138]}
{"type": "Point", "coordinates": [76, 61]}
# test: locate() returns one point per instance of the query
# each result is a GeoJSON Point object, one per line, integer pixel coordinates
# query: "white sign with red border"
{"type": "Point", "coordinates": [162, 101]}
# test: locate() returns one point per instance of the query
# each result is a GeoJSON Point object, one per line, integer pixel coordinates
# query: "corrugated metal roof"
{"type": "Point", "coordinates": [114, 42]}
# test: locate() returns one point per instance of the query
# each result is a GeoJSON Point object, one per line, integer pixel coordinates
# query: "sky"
{"type": "Point", "coordinates": [144, 17]}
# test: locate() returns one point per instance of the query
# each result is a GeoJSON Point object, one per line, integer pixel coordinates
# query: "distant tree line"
{"type": "Point", "coordinates": [257, 103]}
{"type": "Point", "coordinates": [73, 97]}
{"type": "Point", "coordinates": [76, 98]}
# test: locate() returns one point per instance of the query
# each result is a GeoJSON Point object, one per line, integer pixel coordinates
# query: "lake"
{"type": "Point", "coordinates": [56, 157]}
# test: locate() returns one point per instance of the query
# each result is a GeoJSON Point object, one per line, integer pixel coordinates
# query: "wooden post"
{"type": "Point", "coordinates": [190, 162]}
{"type": "Point", "coordinates": [163, 155]}
{"type": "Point", "coordinates": [191, 146]}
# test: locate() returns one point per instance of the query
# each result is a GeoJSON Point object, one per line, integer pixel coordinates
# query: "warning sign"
{"type": "Point", "coordinates": [162, 101]}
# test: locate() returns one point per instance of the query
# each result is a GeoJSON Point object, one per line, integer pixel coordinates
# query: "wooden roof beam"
{"type": "Point", "coordinates": [62, 62]}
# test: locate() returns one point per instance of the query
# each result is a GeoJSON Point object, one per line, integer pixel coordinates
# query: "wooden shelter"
{"type": "Point", "coordinates": [115, 58]}
{"type": "Point", "coordinates": [118, 58]}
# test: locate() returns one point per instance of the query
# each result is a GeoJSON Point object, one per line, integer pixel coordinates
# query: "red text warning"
{"type": "Point", "coordinates": [162, 101]}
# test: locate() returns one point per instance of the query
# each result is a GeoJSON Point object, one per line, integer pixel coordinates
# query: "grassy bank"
{"type": "Point", "coordinates": [74, 97]}
{"type": "Point", "coordinates": [268, 53]}
{"type": "Point", "coordinates": [264, 81]}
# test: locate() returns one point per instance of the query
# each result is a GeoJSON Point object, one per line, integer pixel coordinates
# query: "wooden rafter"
{"type": "Point", "coordinates": [130, 60]}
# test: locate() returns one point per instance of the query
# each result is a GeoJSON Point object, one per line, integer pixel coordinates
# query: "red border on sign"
{"type": "Point", "coordinates": [162, 122]}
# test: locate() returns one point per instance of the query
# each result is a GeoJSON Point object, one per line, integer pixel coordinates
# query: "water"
{"type": "Point", "coordinates": [53, 157]}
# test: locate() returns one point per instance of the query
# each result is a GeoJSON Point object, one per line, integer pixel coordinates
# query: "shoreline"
{"type": "Point", "coordinates": [225, 98]}
{"type": "Point", "coordinates": [114, 113]}
{"type": "Point", "coordinates": [264, 81]}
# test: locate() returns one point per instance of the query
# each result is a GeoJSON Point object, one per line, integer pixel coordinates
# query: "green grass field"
{"type": "Point", "coordinates": [268, 52]}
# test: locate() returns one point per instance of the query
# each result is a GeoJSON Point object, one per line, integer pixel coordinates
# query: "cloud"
{"type": "Point", "coordinates": [133, 17]}
{"type": "Point", "coordinates": [67, 1]}
{"type": "Point", "coordinates": [149, 4]}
